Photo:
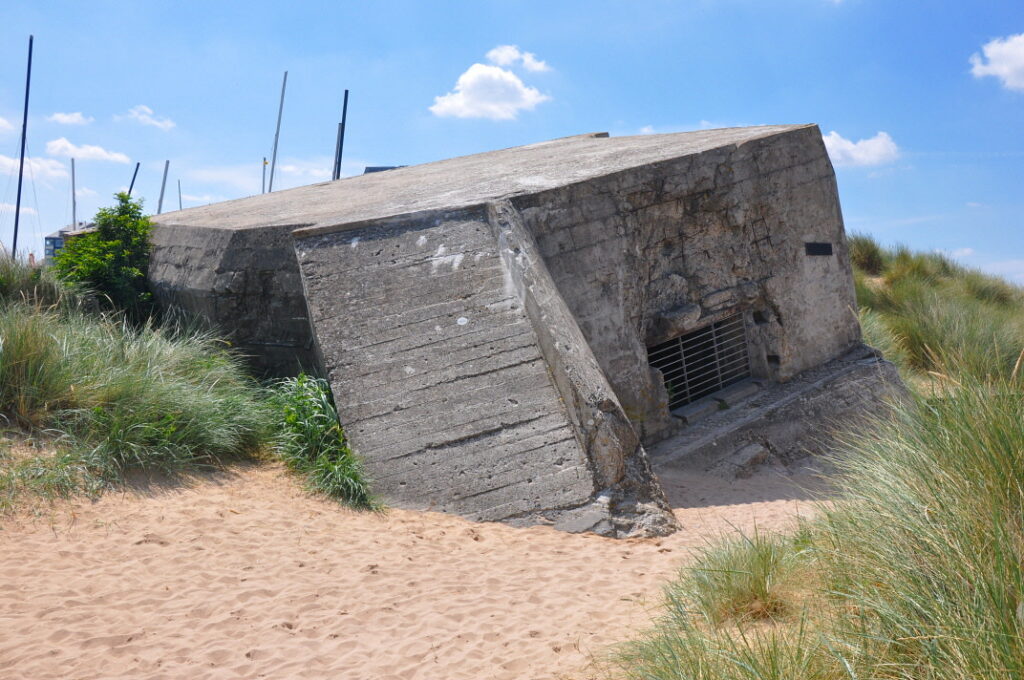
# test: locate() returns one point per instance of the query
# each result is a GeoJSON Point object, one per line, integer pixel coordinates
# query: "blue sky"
{"type": "Point", "coordinates": [921, 103]}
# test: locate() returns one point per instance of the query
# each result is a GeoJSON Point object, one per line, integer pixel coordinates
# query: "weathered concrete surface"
{"type": "Point", "coordinates": [244, 282]}
{"type": "Point", "coordinates": [787, 421]}
{"type": "Point", "coordinates": [484, 321]}
{"type": "Point", "coordinates": [442, 383]}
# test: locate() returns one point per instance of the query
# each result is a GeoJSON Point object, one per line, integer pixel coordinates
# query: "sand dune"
{"type": "Point", "coordinates": [243, 575]}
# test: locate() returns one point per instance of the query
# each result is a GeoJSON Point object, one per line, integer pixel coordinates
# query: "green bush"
{"type": "Point", "coordinates": [310, 441]}
{"type": "Point", "coordinates": [113, 259]}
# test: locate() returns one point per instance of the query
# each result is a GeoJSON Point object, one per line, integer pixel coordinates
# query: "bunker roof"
{"type": "Point", "coordinates": [463, 181]}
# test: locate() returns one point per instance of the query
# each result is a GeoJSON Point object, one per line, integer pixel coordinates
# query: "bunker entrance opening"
{"type": "Point", "coordinates": [703, 361]}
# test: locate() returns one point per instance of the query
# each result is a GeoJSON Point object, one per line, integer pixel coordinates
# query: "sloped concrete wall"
{"type": "Point", "coordinates": [440, 378]}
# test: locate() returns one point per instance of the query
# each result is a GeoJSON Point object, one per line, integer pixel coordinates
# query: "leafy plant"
{"type": "Point", "coordinates": [113, 259]}
{"type": "Point", "coordinates": [311, 442]}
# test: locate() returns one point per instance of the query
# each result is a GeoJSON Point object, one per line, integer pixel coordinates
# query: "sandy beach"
{"type": "Point", "coordinates": [242, 574]}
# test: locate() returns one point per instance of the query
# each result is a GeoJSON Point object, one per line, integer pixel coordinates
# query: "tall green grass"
{"type": "Point", "coordinates": [107, 397]}
{"type": "Point", "coordinates": [915, 569]}
{"type": "Point", "coordinates": [112, 398]}
{"type": "Point", "coordinates": [925, 311]}
{"type": "Point", "coordinates": [310, 441]}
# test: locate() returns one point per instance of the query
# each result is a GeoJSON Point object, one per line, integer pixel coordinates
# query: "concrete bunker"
{"type": "Point", "coordinates": [508, 334]}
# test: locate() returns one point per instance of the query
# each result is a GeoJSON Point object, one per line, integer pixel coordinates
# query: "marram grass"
{"type": "Point", "coordinates": [915, 569]}
{"type": "Point", "coordinates": [106, 398]}
{"type": "Point", "coordinates": [111, 398]}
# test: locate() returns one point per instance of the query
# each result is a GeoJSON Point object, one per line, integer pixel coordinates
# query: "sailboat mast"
{"type": "Point", "coordinates": [74, 200]}
{"type": "Point", "coordinates": [21, 161]}
{"type": "Point", "coordinates": [277, 132]}
{"type": "Point", "coordinates": [163, 185]}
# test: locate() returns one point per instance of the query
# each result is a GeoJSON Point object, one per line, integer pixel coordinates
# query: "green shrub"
{"type": "Point", "coordinates": [310, 441]}
{"type": "Point", "coordinates": [113, 259]}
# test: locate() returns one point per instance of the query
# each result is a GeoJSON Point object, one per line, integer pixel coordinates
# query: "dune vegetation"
{"type": "Point", "coordinates": [915, 569]}
{"type": "Point", "coordinates": [90, 395]}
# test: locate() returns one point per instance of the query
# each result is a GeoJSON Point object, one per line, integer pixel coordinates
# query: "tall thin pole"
{"type": "Point", "coordinates": [74, 200]}
{"type": "Point", "coordinates": [134, 175]}
{"type": "Point", "coordinates": [21, 161]}
{"type": "Point", "coordinates": [337, 150]}
{"type": "Point", "coordinates": [163, 185]}
{"type": "Point", "coordinates": [264, 185]}
{"type": "Point", "coordinates": [179, 194]}
{"type": "Point", "coordinates": [340, 147]}
{"type": "Point", "coordinates": [277, 132]}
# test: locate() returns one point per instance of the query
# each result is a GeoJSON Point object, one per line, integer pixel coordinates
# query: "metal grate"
{"type": "Point", "coordinates": [702, 362]}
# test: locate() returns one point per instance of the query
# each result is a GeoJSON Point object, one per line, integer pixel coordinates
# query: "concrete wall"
{"type": "Point", "coordinates": [428, 334]}
{"type": "Point", "coordinates": [242, 282]}
{"type": "Point", "coordinates": [644, 255]}
{"type": "Point", "coordinates": [484, 321]}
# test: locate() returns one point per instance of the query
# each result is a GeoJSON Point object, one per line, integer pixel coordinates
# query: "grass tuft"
{"type": "Point", "coordinates": [310, 441]}
{"type": "Point", "coordinates": [916, 570]}
{"type": "Point", "coordinates": [749, 578]}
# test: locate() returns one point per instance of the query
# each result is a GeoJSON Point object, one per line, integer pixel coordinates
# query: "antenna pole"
{"type": "Point", "coordinates": [337, 151]}
{"type": "Point", "coordinates": [340, 147]}
{"type": "Point", "coordinates": [74, 202]}
{"type": "Point", "coordinates": [163, 185]}
{"type": "Point", "coordinates": [179, 194]}
{"type": "Point", "coordinates": [134, 175]}
{"type": "Point", "coordinates": [264, 175]}
{"type": "Point", "coordinates": [21, 161]}
{"type": "Point", "coordinates": [277, 132]}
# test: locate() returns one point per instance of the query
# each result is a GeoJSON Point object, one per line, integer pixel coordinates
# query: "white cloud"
{"type": "Point", "coordinates": [205, 198]}
{"type": "Point", "coordinates": [144, 115]}
{"type": "Point", "coordinates": [85, 192]}
{"type": "Point", "coordinates": [5, 125]}
{"type": "Point", "coordinates": [647, 130]}
{"type": "Point", "coordinates": [956, 252]}
{"type": "Point", "coordinates": [305, 169]}
{"type": "Point", "coordinates": [488, 92]}
{"type": "Point", "coordinates": [1004, 59]}
{"type": "Point", "coordinates": [75, 118]}
{"type": "Point", "coordinates": [974, 204]}
{"type": "Point", "coordinates": [89, 152]}
{"type": "Point", "coordinates": [244, 179]}
{"type": "Point", "coordinates": [9, 208]}
{"type": "Point", "coordinates": [41, 168]}
{"type": "Point", "coordinates": [509, 55]}
{"type": "Point", "coordinates": [877, 150]}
